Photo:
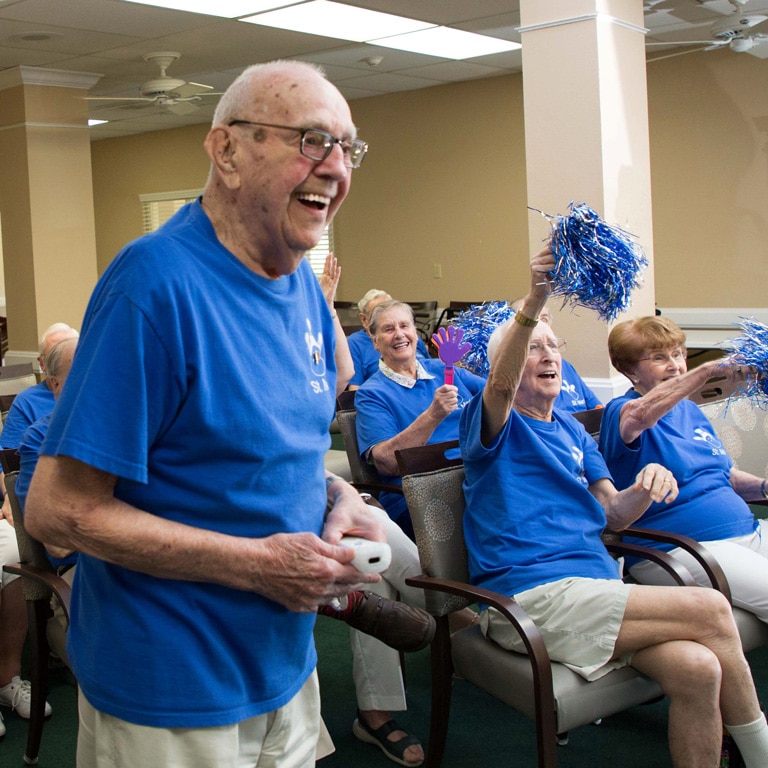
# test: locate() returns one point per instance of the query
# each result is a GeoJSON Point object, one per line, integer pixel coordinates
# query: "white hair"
{"type": "Point", "coordinates": [374, 293]}
{"type": "Point", "coordinates": [62, 329]}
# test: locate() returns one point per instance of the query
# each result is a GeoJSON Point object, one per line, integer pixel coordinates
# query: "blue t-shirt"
{"type": "Point", "coordinates": [208, 390]}
{"type": "Point", "coordinates": [707, 508]}
{"type": "Point", "coordinates": [385, 408]}
{"type": "Point", "coordinates": [530, 518]}
{"type": "Point", "coordinates": [366, 357]}
{"type": "Point", "coordinates": [574, 395]}
{"type": "Point", "coordinates": [29, 451]}
{"type": "Point", "coordinates": [27, 407]}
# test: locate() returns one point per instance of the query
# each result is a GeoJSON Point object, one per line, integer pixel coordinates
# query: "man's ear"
{"type": "Point", "coordinates": [220, 147]}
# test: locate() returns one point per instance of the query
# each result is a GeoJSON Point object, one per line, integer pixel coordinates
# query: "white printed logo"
{"type": "Point", "coordinates": [316, 358]}
{"type": "Point", "coordinates": [706, 437]}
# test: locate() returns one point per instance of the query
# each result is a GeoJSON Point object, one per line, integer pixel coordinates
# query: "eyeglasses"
{"type": "Point", "coordinates": [317, 144]}
{"type": "Point", "coordinates": [538, 348]}
{"type": "Point", "coordinates": [676, 356]}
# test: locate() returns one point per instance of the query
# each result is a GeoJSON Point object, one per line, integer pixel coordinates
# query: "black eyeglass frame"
{"type": "Point", "coordinates": [354, 150]}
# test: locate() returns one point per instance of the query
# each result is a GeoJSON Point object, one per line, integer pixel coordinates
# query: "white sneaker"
{"type": "Point", "coordinates": [18, 695]}
{"type": "Point", "coordinates": [2, 726]}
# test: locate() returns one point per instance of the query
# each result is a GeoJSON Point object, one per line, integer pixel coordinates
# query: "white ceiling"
{"type": "Point", "coordinates": [110, 37]}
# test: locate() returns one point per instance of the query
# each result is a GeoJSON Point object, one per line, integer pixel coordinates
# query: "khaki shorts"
{"type": "Point", "coordinates": [579, 620]}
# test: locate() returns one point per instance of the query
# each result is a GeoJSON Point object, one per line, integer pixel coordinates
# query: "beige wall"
{"type": "Point", "coordinates": [709, 154]}
{"type": "Point", "coordinates": [445, 184]}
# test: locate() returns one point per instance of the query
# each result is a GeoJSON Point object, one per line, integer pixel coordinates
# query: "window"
{"type": "Point", "coordinates": [158, 207]}
{"type": "Point", "coordinates": [317, 255]}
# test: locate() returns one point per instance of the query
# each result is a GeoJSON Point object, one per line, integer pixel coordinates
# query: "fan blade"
{"type": "Point", "coordinates": [714, 43]}
{"type": "Point", "coordinates": [191, 89]}
{"type": "Point", "coordinates": [760, 49]}
{"type": "Point", "coordinates": [116, 98]}
{"type": "Point", "coordinates": [181, 108]}
{"type": "Point", "coordinates": [676, 53]}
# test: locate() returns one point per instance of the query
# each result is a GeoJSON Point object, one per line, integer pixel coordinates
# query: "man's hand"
{"type": "Point", "coordinates": [302, 572]}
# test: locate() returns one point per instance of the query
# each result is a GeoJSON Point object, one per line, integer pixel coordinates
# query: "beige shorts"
{"type": "Point", "coordinates": [579, 620]}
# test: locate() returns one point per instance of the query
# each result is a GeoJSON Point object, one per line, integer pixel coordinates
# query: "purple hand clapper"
{"type": "Point", "coordinates": [450, 349]}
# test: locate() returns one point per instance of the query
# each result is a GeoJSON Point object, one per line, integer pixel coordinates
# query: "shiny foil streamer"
{"type": "Point", "coordinates": [597, 265]}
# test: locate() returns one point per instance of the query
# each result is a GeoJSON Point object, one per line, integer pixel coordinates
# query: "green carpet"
{"type": "Point", "coordinates": [483, 734]}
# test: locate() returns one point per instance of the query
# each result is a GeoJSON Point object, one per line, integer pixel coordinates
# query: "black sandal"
{"type": "Point", "coordinates": [394, 750]}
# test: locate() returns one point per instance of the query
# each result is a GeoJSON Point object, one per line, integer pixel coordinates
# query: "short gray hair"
{"type": "Point", "coordinates": [374, 293]}
{"type": "Point", "coordinates": [373, 320]}
{"type": "Point", "coordinates": [57, 328]}
{"type": "Point", "coordinates": [59, 357]}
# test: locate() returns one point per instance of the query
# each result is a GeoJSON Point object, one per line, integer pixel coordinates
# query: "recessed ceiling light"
{"type": "Point", "coordinates": [344, 22]}
{"type": "Point", "coordinates": [448, 43]}
{"type": "Point", "coordinates": [229, 9]}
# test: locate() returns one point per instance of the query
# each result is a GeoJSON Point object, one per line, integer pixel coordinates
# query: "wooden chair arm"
{"type": "Point", "coordinates": [511, 610]}
{"type": "Point", "coordinates": [376, 487]}
{"type": "Point", "coordinates": [702, 555]}
{"type": "Point", "coordinates": [673, 567]}
{"type": "Point", "coordinates": [48, 579]}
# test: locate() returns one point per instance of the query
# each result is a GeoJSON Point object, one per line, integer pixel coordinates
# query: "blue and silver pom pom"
{"type": "Point", "coordinates": [597, 265]}
{"type": "Point", "coordinates": [750, 350]}
{"type": "Point", "coordinates": [478, 323]}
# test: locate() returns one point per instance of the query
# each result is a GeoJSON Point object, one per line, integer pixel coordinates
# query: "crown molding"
{"type": "Point", "coordinates": [59, 78]}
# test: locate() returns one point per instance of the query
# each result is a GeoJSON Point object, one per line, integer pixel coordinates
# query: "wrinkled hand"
{"type": "Point", "coordinates": [350, 516]}
{"type": "Point", "coordinates": [329, 279]}
{"type": "Point", "coordinates": [735, 371]}
{"type": "Point", "coordinates": [6, 512]}
{"type": "Point", "coordinates": [658, 482]}
{"type": "Point", "coordinates": [301, 571]}
{"type": "Point", "coordinates": [542, 264]}
{"type": "Point", "coordinates": [445, 401]}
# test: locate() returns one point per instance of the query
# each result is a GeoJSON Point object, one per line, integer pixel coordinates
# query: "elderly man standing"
{"type": "Point", "coordinates": [192, 482]}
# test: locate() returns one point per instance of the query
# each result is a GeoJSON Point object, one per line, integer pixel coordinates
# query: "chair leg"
{"type": "Point", "coordinates": [442, 680]}
{"type": "Point", "coordinates": [39, 613]}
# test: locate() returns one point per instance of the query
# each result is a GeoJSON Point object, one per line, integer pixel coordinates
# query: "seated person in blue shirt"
{"type": "Point", "coordinates": [574, 395]}
{"type": "Point", "coordinates": [654, 419]}
{"type": "Point", "coordinates": [364, 354]}
{"type": "Point", "coordinates": [538, 496]}
{"type": "Point", "coordinates": [405, 403]}
{"type": "Point", "coordinates": [32, 403]}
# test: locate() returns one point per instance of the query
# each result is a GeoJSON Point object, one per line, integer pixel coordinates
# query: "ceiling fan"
{"type": "Point", "coordinates": [165, 91]}
{"type": "Point", "coordinates": [736, 31]}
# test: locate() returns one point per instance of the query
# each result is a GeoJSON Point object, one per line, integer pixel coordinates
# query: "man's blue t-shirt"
{"type": "Point", "coordinates": [208, 391]}
{"type": "Point", "coordinates": [530, 518]}
{"type": "Point", "coordinates": [706, 508]}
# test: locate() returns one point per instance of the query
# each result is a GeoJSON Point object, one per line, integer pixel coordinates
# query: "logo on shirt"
{"type": "Point", "coordinates": [712, 442]}
{"type": "Point", "coordinates": [578, 457]}
{"type": "Point", "coordinates": [570, 391]}
{"type": "Point", "coordinates": [316, 358]}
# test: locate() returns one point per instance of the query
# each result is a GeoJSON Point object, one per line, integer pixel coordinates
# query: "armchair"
{"type": "Point", "coordinates": [547, 692]}
{"type": "Point", "coordinates": [46, 633]}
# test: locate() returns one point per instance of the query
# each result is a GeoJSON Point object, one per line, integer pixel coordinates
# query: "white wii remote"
{"type": "Point", "coordinates": [370, 556]}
